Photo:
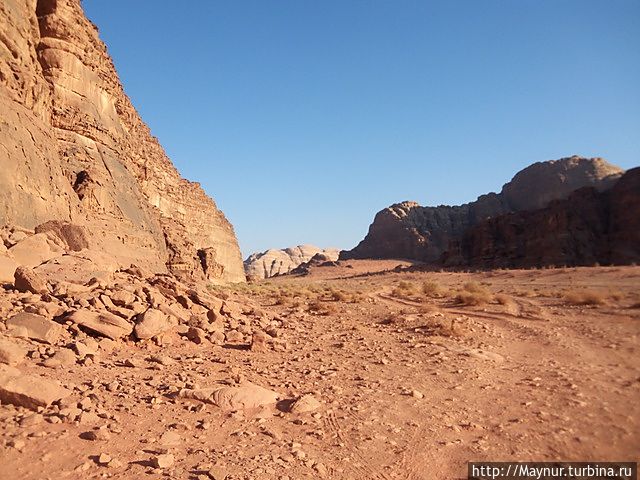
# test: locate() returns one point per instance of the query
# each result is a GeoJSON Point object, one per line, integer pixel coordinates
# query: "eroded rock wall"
{"type": "Point", "coordinates": [72, 147]}
{"type": "Point", "coordinates": [588, 227]}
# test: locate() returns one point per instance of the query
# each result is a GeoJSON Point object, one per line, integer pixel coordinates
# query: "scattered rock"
{"type": "Point", "coordinates": [26, 279]}
{"type": "Point", "coordinates": [10, 353]}
{"type": "Point", "coordinates": [196, 335]}
{"type": "Point", "coordinates": [163, 461]}
{"type": "Point", "coordinates": [245, 396]}
{"type": "Point", "coordinates": [152, 323]}
{"type": "Point", "coordinates": [102, 323]}
{"type": "Point", "coordinates": [28, 391]}
{"type": "Point", "coordinates": [37, 327]}
{"type": "Point", "coordinates": [304, 404]}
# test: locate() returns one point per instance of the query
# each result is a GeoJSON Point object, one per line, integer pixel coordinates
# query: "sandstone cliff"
{"type": "Point", "coordinates": [73, 148]}
{"type": "Point", "coordinates": [278, 262]}
{"type": "Point", "coordinates": [407, 230]}
{"type": "Point", "coordinates": [587, 228]}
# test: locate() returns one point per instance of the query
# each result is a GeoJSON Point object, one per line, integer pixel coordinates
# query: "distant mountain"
{"type": "Point", "coordinates": [408, 230]}
{"type": "Point", "coordinates": [278, 262]}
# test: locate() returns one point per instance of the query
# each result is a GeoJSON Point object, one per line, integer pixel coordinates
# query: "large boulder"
{"type": "Point", "coordinates": [7, 268]}
{"type": "Point", "coordinates": [34, 250]}
{"type": "Point", "coordinates": [26, 279]}
{"type": "Point", "coordinates": [71, 237]}
{"type": "Point", "coordinates": [103, 323]}
{"type": "Point", "coordinates": [152, 323]}
{"type": "Point", "coordinates": [29, 391]}
{"type": "Point", "coordinates": [10, 353]}
{"type": "Point", "coordinates": [37, 327]}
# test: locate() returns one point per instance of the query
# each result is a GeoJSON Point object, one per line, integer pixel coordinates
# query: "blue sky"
{"type": "Point", "coordinates": [304, 118]}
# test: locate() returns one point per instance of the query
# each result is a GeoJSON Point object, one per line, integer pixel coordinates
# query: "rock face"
{"type": "Point", "coordinates": [407, 230]}
{"type": "Point", "coordinates": [588, 227]}
{"type": "Point", "coordinates": [75, 150]}
{"type": "Point", "coordinates": [278, 262]}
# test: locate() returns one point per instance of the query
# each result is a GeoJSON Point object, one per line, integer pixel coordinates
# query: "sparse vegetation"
{"type": "Point", "coordinates": [432, 289]}
{"type": "Point", "coordinates": [585, 297]}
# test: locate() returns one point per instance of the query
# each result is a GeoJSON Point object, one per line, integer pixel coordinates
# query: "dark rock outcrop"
{"type": "Point", "coordinates": [408, 230]}
{"type": "Point", "coordinates": [587, 228]}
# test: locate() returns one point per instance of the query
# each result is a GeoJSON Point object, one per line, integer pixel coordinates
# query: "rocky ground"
{"type": "Point", "coordinates": [356, 371]}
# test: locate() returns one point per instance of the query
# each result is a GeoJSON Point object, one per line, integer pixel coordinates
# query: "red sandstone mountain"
{"type": "Point", "coordinates": [75, 149]}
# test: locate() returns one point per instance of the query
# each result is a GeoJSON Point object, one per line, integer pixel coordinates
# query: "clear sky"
{"type": "Point", "coordinates": [303, 118]}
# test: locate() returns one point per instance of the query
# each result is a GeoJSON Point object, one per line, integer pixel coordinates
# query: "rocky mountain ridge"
{"type": "Point", "coordinates": [76, 150]}
{"type": "Point", "coordinates": [589, 227]}
{"type": "Point", "coordinates": [408, 230]}
{"type": "Point", "coordinates": [273, 262]}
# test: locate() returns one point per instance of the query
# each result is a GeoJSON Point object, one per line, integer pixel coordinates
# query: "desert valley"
{"type": "Point", "coordinates": [136, 343]}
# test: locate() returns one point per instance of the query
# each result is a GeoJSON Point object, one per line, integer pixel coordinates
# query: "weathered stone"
{"type": "Point", "coordinates": [196, 335]}
{"type": "Point", "coordinates": [37, 327]}
{"type": "Point", "coordinates": [408, 230]}
{"type": "Point", "coordinates": [10, 353]}
{"type": "Point", "coordinates": [34, 250]}
{"type": "Point", "coordinates": [102, 323]}
{"type": "Point", "coordinates": [123, 298]}
{"type": "Point", "coordinates": [72, 237]}
{"type": "Point", "coordinates": [152, 323]}
{"type": "Point", "coordinates": [245, 396]}
{"type": "Point", "coordinates": [28, 391]}
{"type": "Point", "coordinates": [27, 280]}
{"type": "Point", "coordinates": [8, 267]}
{"type": "Point", "coordinates": [75, 150]}
{"type": "Point", "coordinates": [305, 404]}
{"type": "Point", "coordinates": [163, 461]}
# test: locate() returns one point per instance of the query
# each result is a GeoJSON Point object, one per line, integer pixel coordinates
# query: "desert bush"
{"type": "Point", "coordinates": [339, 296]}
{"type": "Point", "coordinates": [503, 299]}
{"type": "Point", "coordinates": [473, 287]}
{"type": "Point", "coordinates": [585, 297]}
{"type": "Point", "coordinates": [473, 298]}
{"type": "Point", "coordinates": [322, 308]}
{"type": "Point", "coordinates": [404, 289]}
{"type": "Point", "coordinates": [431, 289]}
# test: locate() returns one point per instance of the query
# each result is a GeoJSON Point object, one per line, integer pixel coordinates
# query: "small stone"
{"type": "Point", "coordinates": [10, 353]}
{"type": "Point", "coordinates": [217, 473]}
{"type": "Point", "coordinates": [93, 435]}
{"type": "Point", "coordinates": [170, 439]}
{"type": "Point", "coordinates": [104, 459]}
{"type": "Point", "coordinates": [305, 404]}
{"type": "Point", "coordinates": [162, 461]}
{"type": "Point", "coordinates": [196, 335]}
{"type": "Point", "coordinates": [417, 394]}
{"type": "Point", "coordinates": [27, 280]}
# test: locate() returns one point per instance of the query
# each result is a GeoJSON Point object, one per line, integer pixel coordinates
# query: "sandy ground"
{"type": "Point", "coordinates": [412, 386]}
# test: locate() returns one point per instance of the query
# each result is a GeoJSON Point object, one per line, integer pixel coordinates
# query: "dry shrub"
{"type": "Point", "coordinates": [473, 287]}
{"type": "Point", "coordinates": [473, 298]}
{"type": "Point", "coordinates": [339, 296]}
{"type": "Point", "coordinates": [432, 289]}
{"type": "Point", "coordinates": [442, 328]}
{"type": "Point", "coordinates": [427, 308]}
{"type": "Point", "coordinates": [322, 308]}
{"type": "Point", "coordinates": [585, 297]}
{"type": "Point", "coordinates": [404, 289]}
{"type": "Point", "coordinates": [505, 300]}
